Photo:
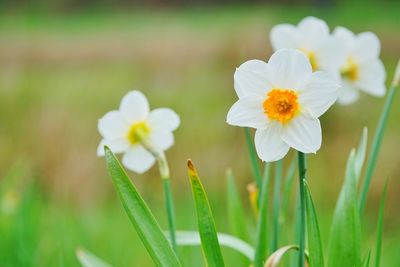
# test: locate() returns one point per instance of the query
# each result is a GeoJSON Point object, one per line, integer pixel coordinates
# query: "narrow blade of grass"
{"type": "Point", "coordinates": [205, 220]}
{"type": "Point", "coordinates": [361, 152]}
{"type": "Point", "coordinates": [236, 213]}
{"type": "Point", "coordinates": [345, 239]}
{"type": "Point", "coordinates": [276, 205]}
{"type": "Point", "coordinates": [140, 215]}
{"type": "Point", "coordinates": [87, 259]}
{"type": "Point", "coordinates": [262, 223]}
{"type": "Point", "coordinates": [314, 236]}
{"type": "Point", "coordinates": [255, 165]}
{"type": "Point", "coordinates": [367, 260]}
{"type": "Point", "coordinates": [289, 178]}
{"type": "Point", "coordinates": [376, 143]}
{"type": "Point", "coordinates": [378, 246]}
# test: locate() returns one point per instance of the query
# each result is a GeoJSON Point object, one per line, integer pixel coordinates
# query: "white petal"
{"type": "Point", "coordinates": [318, 93]}
{"type": "Point", "coordinates": [113, 125]}
{"type": "Point", "coordinates": [331, 55]}
{"type": "Point", "coordinates": [134, 107]}
{"type": "Point", "coordinates": [252, 78]}
{"type": "Point", "coordinates": [269, 145]}
{"type": "Point", "coordinates": [161, 140]}
{"type": "Point", "coordinates": [367, 46]}
{"type": "Point", "coordinates": [303, 133]}
{"type": "Point", "coordinates": [116, 145]}
{"type": "Point", "coordinates": [284, 36]}
{"type": "Point", "coordinates": [248, 112]}
{"type": "Point", "coordinates": [347, 94]}
{"type": "Point", "coordinates": [372, 78]}
{"type": "Point", "coordinates": [288, 68]}
{"type": "Point", "coordinates": [163, 119]}
{"type": "Point", "coordinates": [138, 159]}
{"type": "Point", "coordinates": [345, 36]}
{"type": "Point", "coordinates": [312, 31]}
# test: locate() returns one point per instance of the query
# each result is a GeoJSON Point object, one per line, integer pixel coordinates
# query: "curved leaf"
{"type": "Point", "coordinates": [87, 259]}
{"type": "Point", "coordinates": [276, 257]}
{"type": "Point", "coordinates": [140, 215]}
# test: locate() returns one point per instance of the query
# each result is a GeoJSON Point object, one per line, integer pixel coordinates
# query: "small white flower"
{"type": "Point", "coordinates": [120, 130]}
{"type": "Point", "coordinates": [312, 37]}
{"type": "Point", "coordinates": [362, 69]}
{"type": "Point", "coordinates": [282, 99]}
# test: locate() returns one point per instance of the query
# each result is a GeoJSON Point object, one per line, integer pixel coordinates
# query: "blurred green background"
{"type": "Point", "coordinates": [64, 64]}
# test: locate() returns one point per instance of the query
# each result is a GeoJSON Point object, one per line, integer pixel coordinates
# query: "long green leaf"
{"type": "Point", "coordinates": [360, 154]}
{"type": "Point", "coordinates": [367, 260]}
{"type": "Point", "coordinates": [87, 259]}
{"type": "Point", "coordinates": [276, 205]}
{"type": "Point", "coordinates": [192, 238]}
{"type": "Point", "coordinates": [262, 223]}
{"type": "Point", "coordinates": [236, 213]}
{"type": "Point", "coordinates": [289, 178]}
{"type": "Point", "coordinates": [376, 143]}
{"type": "Point", "coordinates": [314, 236]}
{"type": "Point", "coordinates": [205, 220]}
{"type": "Point", "coordinates": [345, 240]}
{"type": "Point", "coordinates": [255, 165]}
{"type": "Point", "coordinates": [378, 246]}
{"type": "Point", "coordinates": [140, 215]}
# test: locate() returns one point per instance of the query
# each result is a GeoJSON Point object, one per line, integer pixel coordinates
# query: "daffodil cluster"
{"type": "Point", "coordinates": [310, 70]}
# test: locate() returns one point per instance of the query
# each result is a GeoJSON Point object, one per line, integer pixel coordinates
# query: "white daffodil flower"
{"type": "Point", "coordinates": [312, 37]}
{"type": "Point", "coordinates": [362, 69]}
{"type": "Point", "coordinates": [282, 99]}
{"type": "Point", "coordinates": [125, 130]}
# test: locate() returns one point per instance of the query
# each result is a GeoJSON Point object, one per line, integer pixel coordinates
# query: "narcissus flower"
{"type": "Point", "coordinates": [362, 70]}
{"type": "Point", "coordinates": [125, 130]}
{"type": "Point", "coordinates": [312, 37]}
{"type": "Point", "coordinates": [282, 100]}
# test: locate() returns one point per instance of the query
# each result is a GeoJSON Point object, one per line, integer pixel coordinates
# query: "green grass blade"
{"type": "Point", "coordinates": [236, 212]}
{"type": "Point", "coordinates": [289, 178]}
{"type": "Point", "coordinates": [87, 259]}
{"type": "Point", "coordinates": [345, 240]}
{"type": "Point", "coordinates": [314, 237]}
{"type": "Point", "coordinates": [262, 223]}
{"type": "Point", "coordinates": [205, 219]}
{"type": "Point", "coordinates": [367, 260]}
{"type": "Point", "coordinates": [376, 144]}
{"type": "Point", "coordinates": [378, 246]}
{"type": "Point", "coordinates": [276, 205]}
{"type": "Point", "coordinates": [255, 165]}
{"type": "Point", "coordinates": [140, 215]}
{"type": "Point", "coordinates": [360, 154]}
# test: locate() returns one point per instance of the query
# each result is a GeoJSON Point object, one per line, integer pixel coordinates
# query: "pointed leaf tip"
{"type": "Point", "coordinates": [191, 168]}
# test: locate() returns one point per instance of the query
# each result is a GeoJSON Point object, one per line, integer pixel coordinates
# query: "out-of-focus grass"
{"type": "Point", "coordinates": [60, 73]}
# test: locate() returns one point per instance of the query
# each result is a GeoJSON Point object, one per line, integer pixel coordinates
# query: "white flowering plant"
{"type": "Point", "coordinates": [281, 99]}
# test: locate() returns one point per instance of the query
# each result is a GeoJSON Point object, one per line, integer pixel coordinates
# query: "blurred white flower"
{"type": "Point", "coordinates": [312, 37]}
{"type": "Point", "coordinates": [125, 129]}
{"type": "Point", "coordinates": [282, 99]}
{"type": "Point", "coordinates": [362, 69]}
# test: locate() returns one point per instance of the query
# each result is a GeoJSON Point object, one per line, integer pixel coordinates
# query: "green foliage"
{"type": "Point", "coordinates": [262, 223]}
{"type": "Point", "coordinates": [87, 259]}
{"type": "Point", "coordinates": [378, 246]}
{"type": "Point", "coordinates": [345, 238]}
{"type": "Point", "coordinates": [255, 164]}
{"type": "Point", "coordinates": [140, 215]}
{"type": "Point", "coordinates": [205, 220]}
{"type": "Point", "coordinates": [316, 257]}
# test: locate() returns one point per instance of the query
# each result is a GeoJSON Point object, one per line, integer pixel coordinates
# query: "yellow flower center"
{"type": "Point", "coordinates": [137, 131]}
{"type": "Point", "coordinates": [281, 105]}
{"type": "Point", "coordinates": [312, 58]}
{"type": "Point", "coordinates": [350, 70]}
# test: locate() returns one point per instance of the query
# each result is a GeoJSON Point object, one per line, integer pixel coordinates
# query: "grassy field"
{"type": "Point", "coordinates": [59, 73]}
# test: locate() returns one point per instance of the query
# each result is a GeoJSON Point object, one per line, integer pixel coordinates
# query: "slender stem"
{"type": "Point", "coordinates": [165, 175]}
{"type": "Point", "coordinates": [276, 207]}
{"type": "Point", "coordinates": [302, 176]}
{"type": "Point", "coordinates": [255, 167]}
{"type": "Point", "coordinates": [376, 144]}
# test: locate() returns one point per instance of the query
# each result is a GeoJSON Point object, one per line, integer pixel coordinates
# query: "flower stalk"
{"type": "Point", "coordinates": [302, 177]}
{"type": "Point", "coordinates": [165, 176]}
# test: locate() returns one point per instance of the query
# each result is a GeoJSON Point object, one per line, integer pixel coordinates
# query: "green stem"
{"type": "Point", "coordinates": [255, 167]}
{"type": "Point", "coordinates": [165, 175]}
{"type": "Point", "coordinates": [376, 144]}
{"type": "Point", "coordinates": [302, 176]}
{"type": "Point", "coordinates": [276, 207]}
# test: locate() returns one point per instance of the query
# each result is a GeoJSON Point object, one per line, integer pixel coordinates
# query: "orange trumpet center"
{"type": "Point", "coordinates": [281, 105]}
